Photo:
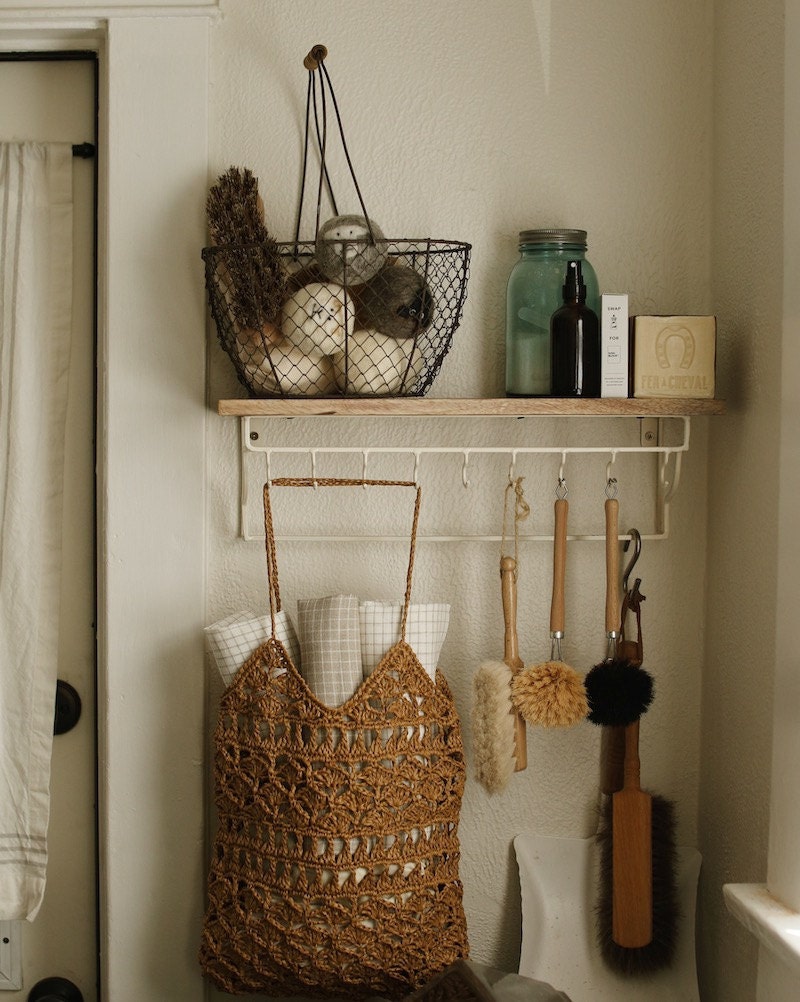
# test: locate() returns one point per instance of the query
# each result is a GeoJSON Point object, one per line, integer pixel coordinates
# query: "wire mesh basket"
{"type": "Point", "coordinates": [386, 334]}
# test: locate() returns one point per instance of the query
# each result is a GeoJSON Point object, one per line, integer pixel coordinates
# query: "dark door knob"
{"type": "Point", "coordinates": [55, 990]}
{"type": "Point", "coordinates": [68, 707]}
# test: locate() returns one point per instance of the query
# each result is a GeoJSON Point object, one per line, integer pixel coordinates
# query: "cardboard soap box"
{"type": "Point", "coordinates": [673, 356]}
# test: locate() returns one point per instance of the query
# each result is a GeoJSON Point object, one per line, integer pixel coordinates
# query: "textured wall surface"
{"type": "Point", "coordinates": [742, 538]}
{"type": "Point", "coordinates": [473, 121]}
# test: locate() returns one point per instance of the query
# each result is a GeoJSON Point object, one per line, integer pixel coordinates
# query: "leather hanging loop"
{"type": "Point", "coordinates": [314, 57]}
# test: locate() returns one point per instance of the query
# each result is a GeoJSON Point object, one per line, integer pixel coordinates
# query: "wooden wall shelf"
{"type": "Point", "coordinates": [501, 407]}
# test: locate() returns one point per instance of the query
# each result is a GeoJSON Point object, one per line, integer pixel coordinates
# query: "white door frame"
{"type": "Point", "coordinates": [152, 160]}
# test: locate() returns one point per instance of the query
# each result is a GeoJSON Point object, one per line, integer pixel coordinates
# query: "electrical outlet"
{"type": "Point", "coordinates": [10, 957]}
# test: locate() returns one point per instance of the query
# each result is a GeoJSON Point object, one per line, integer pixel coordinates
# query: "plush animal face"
{"type": "Point", "coordinates": [396, 302]}
{"type": "Point", "coordinates": [345, 251]}
{"type": "Point", "coordinates": [317, 318]}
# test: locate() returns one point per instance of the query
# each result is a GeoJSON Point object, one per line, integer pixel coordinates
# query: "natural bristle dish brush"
{"type": "Point", "coordinates": [498, 731]}
{"type": "Point", "coordinates": [551, 693]}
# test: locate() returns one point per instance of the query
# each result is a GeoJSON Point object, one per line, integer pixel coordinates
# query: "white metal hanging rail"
{"type": "Point", "coordinates": [667, 482]}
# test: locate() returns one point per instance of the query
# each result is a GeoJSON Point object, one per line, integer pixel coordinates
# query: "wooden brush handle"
{"type": "Point", "coordinates": [632, 770]}
{"type": "Point", "coordinates": [561, 509]}
{"type": "Point", "coordinates": [632, 854]}
{"type": "Point", "coordinates": [612, 758]}
{"type": "Point", "coordinates": [612, 565]}
{"type": "Point", "coordinates": [508, 588]}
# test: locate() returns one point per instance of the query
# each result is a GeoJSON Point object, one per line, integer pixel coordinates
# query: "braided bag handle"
{"type": "Point", "coordinates": [269, 532]}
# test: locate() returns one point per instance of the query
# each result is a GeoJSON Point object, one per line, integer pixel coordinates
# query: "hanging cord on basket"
{"type": "Point", "coordinates": [318, 75]}
{"type": "Point", "coordinates": [269, 533]}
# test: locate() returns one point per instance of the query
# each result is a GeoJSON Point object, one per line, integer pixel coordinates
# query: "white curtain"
{"type": "Point", "coordinates": [35, 327]}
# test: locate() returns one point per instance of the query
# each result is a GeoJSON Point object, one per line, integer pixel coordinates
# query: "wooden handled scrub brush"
{"type": "Point", "coordinates": [499, 738]}
{"type": "Point", "coordinates": [637, 904]}
{"type": "Point", "coordinates": [551, 693]}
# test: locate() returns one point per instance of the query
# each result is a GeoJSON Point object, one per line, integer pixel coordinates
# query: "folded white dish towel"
{"type": "Point", "coordinates": [426, 630]}
{"type": "Point", "coordinates": [330, 646]}
{"type": "Point", "coordinates": [232, 640]}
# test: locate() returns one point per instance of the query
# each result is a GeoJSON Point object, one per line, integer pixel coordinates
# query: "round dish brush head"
{"type": "Point", "coordinates": [618, 692]}
{"type": "Point", "coordinates": [550, 694]}
{"type": "Point", "coordinates": [493, 726]}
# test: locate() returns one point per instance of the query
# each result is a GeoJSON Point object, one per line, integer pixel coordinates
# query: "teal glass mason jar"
{"type": "Point", "coordinates": [534, 293]}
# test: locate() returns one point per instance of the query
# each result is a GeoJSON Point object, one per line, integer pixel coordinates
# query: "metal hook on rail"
{"type": "Point", "coordinates": [611, 482]}
{"type": "Point", "coordinates": [364, 460]}
{"type": "Point", "coordinates": [464, 478]}
{"type": "Point", "coordinates": [416, 467]}
{"type": "Point", "coordinates": [561, 486]}
{"type": "Point", "coordinates": [267, 457]}
{"type": "Point", "coordinates": [636, 539]}
{"type": "Point", "coordinates": [313, 453]}
{"type": "Point", "coordinates": [512, 469]}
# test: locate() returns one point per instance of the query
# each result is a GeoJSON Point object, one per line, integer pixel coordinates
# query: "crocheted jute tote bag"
{"type": "Point", "coordinates": [334, 869]}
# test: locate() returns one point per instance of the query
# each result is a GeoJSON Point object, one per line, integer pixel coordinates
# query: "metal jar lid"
{"type": "Point", "coordinates": [559, 237]}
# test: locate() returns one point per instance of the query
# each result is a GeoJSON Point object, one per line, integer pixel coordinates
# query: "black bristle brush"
{"type": "Point", "coordinates": [637, 911]}
{"type": "Point", "coordinates": [618, 691]}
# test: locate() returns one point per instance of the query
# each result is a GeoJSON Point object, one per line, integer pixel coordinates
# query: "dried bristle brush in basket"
{"type": "Point", "coordinates": [551, 693]}
{"type": "Point", "coordinates": [255, 276]}
{"type": "Point", "coordinates": [498, 731]}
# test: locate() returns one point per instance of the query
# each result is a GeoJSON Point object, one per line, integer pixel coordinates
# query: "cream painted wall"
{"type": "Point", "coordinates": [473, 121]}
{"type": "Point", "coordinates": [743, 481]}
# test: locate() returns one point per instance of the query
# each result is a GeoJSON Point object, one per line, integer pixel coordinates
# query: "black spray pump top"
{"type": "Point", "coordinates": [574, 290]}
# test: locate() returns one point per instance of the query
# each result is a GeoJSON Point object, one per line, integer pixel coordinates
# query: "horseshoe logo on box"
{"type": "Point", "coordinates": [665, 337]}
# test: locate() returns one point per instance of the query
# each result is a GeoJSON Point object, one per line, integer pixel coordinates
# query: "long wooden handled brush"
{"type": "Point", "coordinates": [551, 693]}
{"type": "Point", "coordinates": [632, 853]}
{"type": "Point", "coordinates": [638, 904]}
{"type": "Point", "coordinates": [499, 738]}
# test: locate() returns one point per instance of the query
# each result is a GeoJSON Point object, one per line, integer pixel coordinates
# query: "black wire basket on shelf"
{"type": "Point", "coordinates": [381, 329]}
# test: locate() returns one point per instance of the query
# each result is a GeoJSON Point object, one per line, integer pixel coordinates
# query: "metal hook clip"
{"type": "Point", "coordinates": [416, 467]}
{"type": "Point", "coordinates": [636, 538]}
{"type": "Point", "coordinates": [512, 469]}
{"type": "Point", "coordinates": [561, 486]}
{"type": "Point", "coordinates": [464, 478]}
{"type": "Point", "coordinates": [611, 482]}
{"type": "Point", "coordinates": [314, 468]}
{"type": "Point", "coordinates": [364, 460]}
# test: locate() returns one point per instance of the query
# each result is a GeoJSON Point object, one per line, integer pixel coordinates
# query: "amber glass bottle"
{"type": "Point", "coordinates": [575, 341]}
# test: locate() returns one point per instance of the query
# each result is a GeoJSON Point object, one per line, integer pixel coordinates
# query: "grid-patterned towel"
{"type": "Point", "coordinates": [232, 640]}
{"type": "Point", "coordinates": [330, 646]}
{"type": "Point", "coordinates": [425, 632]}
